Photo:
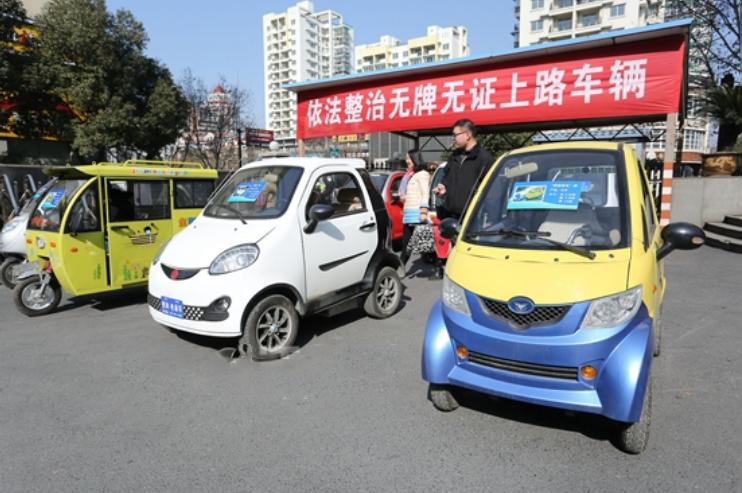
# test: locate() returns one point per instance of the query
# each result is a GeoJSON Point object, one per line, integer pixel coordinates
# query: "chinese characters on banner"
{"type": "Point", "coordinates": [633, 79]}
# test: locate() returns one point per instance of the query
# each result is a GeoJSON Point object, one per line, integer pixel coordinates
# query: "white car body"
{"type": "Point", "coordinates": [318, 269]}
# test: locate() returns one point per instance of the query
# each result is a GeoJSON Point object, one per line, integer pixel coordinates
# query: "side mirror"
{"type": "Point", "coordinates": [317, 213]}
{"type": "Point", "coordinates": [680, 236]}
{"type": "Point", "coordinates": [449, 228]}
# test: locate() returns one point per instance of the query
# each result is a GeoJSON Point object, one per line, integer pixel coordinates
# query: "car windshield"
{"type": "Point", "coordinates": [48, 213]}
{"type": "Point", "coordinates": [33, 201]}
{"type": "Point", "coordinates": [259, 192]}
{"type": "Point", "coordinates": [540, 199]}
{"type": "Point", "coordinates": [378, 180]}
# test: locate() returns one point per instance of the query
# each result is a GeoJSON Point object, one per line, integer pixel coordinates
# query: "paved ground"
{"type": "Point", "coordinates": [100, 398]}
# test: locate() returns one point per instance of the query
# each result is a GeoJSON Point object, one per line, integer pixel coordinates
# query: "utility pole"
{"type": "Point", "coordinates": [239, 148]}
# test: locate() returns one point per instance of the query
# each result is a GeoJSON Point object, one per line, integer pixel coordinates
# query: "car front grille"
{"type": "Point", "coordinates": [561, 372]}
{"type": "Point", "coordinates": [541, 314]}
{"type": "Point", "coordinates": [194, 313]}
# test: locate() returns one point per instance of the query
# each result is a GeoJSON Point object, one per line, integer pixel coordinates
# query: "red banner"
{"type": "Point", "coordinates": [615, 81]}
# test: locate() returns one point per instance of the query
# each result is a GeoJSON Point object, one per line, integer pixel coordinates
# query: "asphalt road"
{"type": "Point", "coordinates": [99, 398]}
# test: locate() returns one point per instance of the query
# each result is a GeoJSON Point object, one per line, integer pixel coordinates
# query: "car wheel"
{"type": "Point", "coordinates": [442, 397]}
{"type": "Point", "coordinates": [270, 329]}
{"type": "Point", "coordinates": [657, 332]}
{"type": "Point", "coordinates": [386, 295]}
{"type": "Point", "coordinates": [32, 298]}
{"type": "Point", "coordinates": [6, 271]}
{"type": "Point", "coordinates": [633, 438]}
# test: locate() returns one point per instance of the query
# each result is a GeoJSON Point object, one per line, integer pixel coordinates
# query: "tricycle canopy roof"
{"type": "Point", "coordinates": [629, 76]}
{"type": "Point", "coordinates": [139, 169]}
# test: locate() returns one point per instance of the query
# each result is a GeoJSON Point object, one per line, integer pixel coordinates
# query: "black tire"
{"type": "Point", "coordinates": [22, 297]}
{"type": "Point", "coordinates": [270, 329]}
{"type": "Point", "coordinates": [657, 333]}
{"type": "Point", "coordinates": [633, 438]}
{"type": "Point", "coordinates": [442, 397]}
{"type": "Point", "coordinates": [384, 299]}
{"type": "Point", "coordinates": [6, 271]}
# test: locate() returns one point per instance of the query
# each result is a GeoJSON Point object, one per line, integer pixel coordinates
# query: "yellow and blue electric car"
{"type": "Point", "coordinates": [553, 292]}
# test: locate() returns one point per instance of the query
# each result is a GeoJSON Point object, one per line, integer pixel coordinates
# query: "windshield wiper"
{"type": "Point", "coordinates": [232, 209]}
{"type": "Point", "coordinates": [540, 235]}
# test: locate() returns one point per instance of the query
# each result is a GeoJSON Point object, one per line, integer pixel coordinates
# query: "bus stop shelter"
{"type": "Point", "coordinates": [623, 78]}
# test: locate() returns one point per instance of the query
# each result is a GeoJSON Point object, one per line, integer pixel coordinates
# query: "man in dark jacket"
{"type": "Point", "coordinates": [464, 171]}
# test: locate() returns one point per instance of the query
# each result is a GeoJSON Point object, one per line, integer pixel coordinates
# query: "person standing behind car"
{"type": "Point", "coordinates": [466, 168]}
{"type": "Point", "coordinates": [412, 159]}
{"type": "Point", "coordinates": [416, 206]}
{"type": "Point", "coordinates": [463, 173]}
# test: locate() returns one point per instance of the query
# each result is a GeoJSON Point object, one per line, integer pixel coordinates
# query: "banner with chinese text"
{"type": "Point", "coordinates": [615, 81]}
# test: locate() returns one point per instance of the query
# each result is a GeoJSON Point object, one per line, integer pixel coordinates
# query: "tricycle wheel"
{"type": "Point", "coordinates": [442, 397]}
{"type": "Point", "coordinates": [6, 271]}
{"type": "Point", "coordinates": [270, 329]}
{"type": "Point", "coordinates": [33, 298]}
{"type": "Point", "coordinates": [633, 437]}
{"type": "Point", "coordinates": [657, 332]}
{"type": "Point", "coordinates": [386, 295]}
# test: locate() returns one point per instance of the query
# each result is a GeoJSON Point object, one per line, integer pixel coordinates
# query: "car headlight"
{"type": "Point", "coordinates": [159, 252]}
{"type": "Point", "coordinates": [12, 224]}
{"type": "Point", "coordinates": [454, 296]}
{"type": "Point", "coordinates": [613, 310]}
{"type": "Point", "coordinates": [235, 258]}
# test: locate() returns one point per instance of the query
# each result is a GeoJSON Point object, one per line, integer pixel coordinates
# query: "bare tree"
{"type": "Point", "coordinates": [214, 121]}
{"type": "Point", "coordinates": [715, 36]}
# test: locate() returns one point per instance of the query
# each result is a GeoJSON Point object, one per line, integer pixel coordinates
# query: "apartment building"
{"type": "Point", "coordinates": [545, 21]}
{"type": "Point", "coordinates": [439, 43]}
{"type": "Point", "coordinates": [298, 45]}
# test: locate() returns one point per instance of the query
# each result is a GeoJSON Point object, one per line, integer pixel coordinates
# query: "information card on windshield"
{"type": "Point", "coordinates": [547, 194]}
{"type": "Point", "coordinates": [247, 191]}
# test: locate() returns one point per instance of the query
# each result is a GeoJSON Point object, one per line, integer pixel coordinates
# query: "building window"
{"type": "Point", "coordinates": [446, 46]}
{"type": "Point", "coordinates": [618, 10]}
{"type": "Point", "coordinates": [561, 4]}
{"type": "Point", "coordinates": [588, 20]}
{"type": "Point", "coordinates": [537, 4]}
{"type": "Point", "coordinates": [693, 140]}
{"type": "Point", "coordinates": [564, 24]}
{"type": "Point", "coordinates": [537, 25]}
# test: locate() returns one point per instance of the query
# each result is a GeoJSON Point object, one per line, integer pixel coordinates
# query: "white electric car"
{"type": "Point", "coordinates": [282, 238]}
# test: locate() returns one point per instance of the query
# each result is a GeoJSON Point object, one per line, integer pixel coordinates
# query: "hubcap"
{"type": "Point", "coordinates": [274, 327]}
{"type": "Point", "coordinates": [36, 297]}
{"type": "Point", "coordinates": [387, 293]}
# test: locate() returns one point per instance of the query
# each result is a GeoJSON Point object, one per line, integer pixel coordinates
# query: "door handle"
{"type": "Point", "coordinates": [367, 226]}
{"type": "Point", "coordinates": [119, 228]}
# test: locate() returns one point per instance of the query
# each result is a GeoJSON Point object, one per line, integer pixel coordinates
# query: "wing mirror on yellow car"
{"type": "Point", "coordinates": [680, 236]}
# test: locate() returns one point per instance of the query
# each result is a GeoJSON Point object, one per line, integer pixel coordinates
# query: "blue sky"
{"type": "Point", "coordinates": [225, 37]}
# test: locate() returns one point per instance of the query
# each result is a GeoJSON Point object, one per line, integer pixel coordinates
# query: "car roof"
{"type": "Point", "coordinates": [572, 145]}
{"type": "Point", "coordinates": [309, 163]}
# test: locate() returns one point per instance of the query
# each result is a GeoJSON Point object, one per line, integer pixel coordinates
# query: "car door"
{"type": "Point", "coordinates": [338, 251]}
{"type": "Point", "coordinates": [138, 223]}
{"type": "Point", "coordinates": [82, 246]}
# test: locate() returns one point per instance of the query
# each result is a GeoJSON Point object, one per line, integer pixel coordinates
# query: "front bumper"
{"type": "Point", "coordinates": [197, 294]}
{"type": "Point", "coordinates": [543, 369]}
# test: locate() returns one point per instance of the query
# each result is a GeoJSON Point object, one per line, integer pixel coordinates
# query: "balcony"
{"type": "Point", "coordinates": [560, 6]}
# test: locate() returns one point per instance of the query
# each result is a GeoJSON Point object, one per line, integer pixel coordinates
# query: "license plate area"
{"type": "Point", "coordinates": [172, 307]}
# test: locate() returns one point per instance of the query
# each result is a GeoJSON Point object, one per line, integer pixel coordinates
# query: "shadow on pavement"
{"type": "Point", "coordinates": [590, 425]}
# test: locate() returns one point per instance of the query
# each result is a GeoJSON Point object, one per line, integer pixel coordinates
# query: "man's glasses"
{"type": "Point", "coordinates": [457, 134]}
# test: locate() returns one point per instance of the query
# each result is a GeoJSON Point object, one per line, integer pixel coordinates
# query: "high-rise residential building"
{"type": "Point", "coordinates": [544, 21]}
{"type": "Point", "coordinates": [298, 45]}
{"type": "Point", "coordinates": [439, 43]}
